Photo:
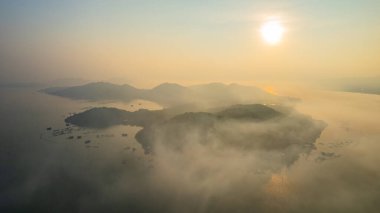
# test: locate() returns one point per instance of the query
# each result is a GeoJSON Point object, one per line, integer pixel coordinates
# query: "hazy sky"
{"type": "Point", "coordinates": [141, 41]}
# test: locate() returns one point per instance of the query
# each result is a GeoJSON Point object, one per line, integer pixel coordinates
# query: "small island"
{"type": "Point", "coordinates": [245, 127]}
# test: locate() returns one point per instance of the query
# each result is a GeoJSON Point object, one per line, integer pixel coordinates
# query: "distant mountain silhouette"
{"type": "Point", "coordinates": [96, 91]}
{"type": "Point", "coordinates": [168, 94]}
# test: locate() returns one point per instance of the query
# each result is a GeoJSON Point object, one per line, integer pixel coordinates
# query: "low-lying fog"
{"type": "Point", "coordinates": [193, 168]}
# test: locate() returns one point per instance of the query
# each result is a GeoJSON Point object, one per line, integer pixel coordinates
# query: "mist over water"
{"type": "Point", "coordinates": [346, 183]}
{"type": "Point", "coordinates": [339, 175]}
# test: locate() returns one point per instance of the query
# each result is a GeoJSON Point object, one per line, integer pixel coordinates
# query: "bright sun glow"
{"type": "Point", "coordinates": [272, 32]}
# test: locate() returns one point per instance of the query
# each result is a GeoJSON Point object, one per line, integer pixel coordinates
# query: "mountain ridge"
{"type": "Point", "coordinates": [167, 94]}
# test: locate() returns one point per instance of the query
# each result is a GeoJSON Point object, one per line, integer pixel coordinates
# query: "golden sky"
{"type": "Point", "coordinates": [147, 42]}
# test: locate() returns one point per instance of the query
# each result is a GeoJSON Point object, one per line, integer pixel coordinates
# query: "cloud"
{"type": "Point", "coordinates": [205, 163]}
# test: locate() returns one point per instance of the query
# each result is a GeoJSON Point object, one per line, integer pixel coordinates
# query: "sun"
{"type": "Point", "coordinates": [272, 32]}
